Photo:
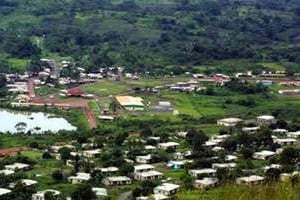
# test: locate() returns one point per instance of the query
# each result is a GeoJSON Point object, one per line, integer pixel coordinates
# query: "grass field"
{"type": "Point", "coordinates": [106, 88]}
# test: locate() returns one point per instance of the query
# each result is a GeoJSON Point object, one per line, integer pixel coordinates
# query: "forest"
{"type": "Point", "coordinates": [149, 35]}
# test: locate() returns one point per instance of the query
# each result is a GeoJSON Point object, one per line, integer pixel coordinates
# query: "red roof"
{"type": "Point", "coordinates": [75, 92]}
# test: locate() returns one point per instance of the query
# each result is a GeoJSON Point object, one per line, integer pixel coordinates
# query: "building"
{"type": "Point", "coordinates": [265, 120]}
{"type": "Point", "coordinates": [6, 172]}
{"type": "Point", "coordinates": [17, 167]}
{"type": "Point", "coordinates": [176, 164]}
{"type": "Point", "coordinates": [223, 165]}
{"type": "Point", "coordinates": [25, 182]}
{"type": "Point", "coordinates": [100, 192]}
{"type": "Point", "coordinates": [116, 180]}
{"type": "Point", "coordinates": [206, 182]}
{"type": "Point", "coordinates": [79, 178]}
{"type": "Point", "coordinates": [202, 172]}
{"type": "Point", "coordinates": [108, 171]}
{"type": "Point", "coordinates": [285, 141]}
{"type": "Point", "coordinates": [131, 103]}
{"type": "Point", "coordinates": [250, 130]}
{"type": "Point", "coordinates": [167, 189]}
{"type": "Point", "coordinates": [263, 155]}
{"type": "Point", "coordinates": [4, 192]}
{"type": "Point", "coordinates": [148, 175]}
{"type": "Point", "coordinates": [294, 134]}
{"type": "Point", "coordinates": [168, 145]}
{"type": "Point", "coordinates": [144, 159]}
{"type": "Point", "coordinates": [92, 153]}
{"type": "Point", "coordinates": [280, 131]}
{"type": "Point", "coordinates": [250, 180]}
{"type": "Point", "coordinates": [143, 168]}
{"type": "Point", "coordinates": [229, 122]}
{"type": "Point", "coordinates": [41, 194]}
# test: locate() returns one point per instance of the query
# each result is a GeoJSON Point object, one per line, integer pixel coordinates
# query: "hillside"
{"type": "Point", "coordinates": [151, 35]}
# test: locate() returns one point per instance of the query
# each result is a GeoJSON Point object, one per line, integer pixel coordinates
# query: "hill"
{"type": "Point", "coordinates": [152, 35]}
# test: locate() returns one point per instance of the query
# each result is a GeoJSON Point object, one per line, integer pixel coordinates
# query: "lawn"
{"type": "Point", "coordinates": [106, 88]}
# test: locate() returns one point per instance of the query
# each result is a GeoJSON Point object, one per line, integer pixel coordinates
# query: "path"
{"type": "Point", "coordinates": [125, 195]}
{"type": "Point", "coordinates": [31, 90]}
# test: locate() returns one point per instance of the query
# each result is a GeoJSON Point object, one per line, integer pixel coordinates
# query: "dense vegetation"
{"type": "Point", "coordinates": [148, 34]}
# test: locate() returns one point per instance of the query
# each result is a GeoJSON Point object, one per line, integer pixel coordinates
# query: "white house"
{"type": "Point", "coordinates": [280, 131]}
{"type": "Point", "coordinates": [263, 155]}
{"type": "Point", "coordinates": [6, 172]}
{"type": "Point", "coordinates": [285, 141]}
{"type": "Point", "coordinates": [250, 180]}
{"type": "Point", "coordinates": [229, 122]}
{"type": "Point", "coordinates": [108, 170]}
{"type": "Point", "coordinates": [40, 195]}
{"type": "Point", "coordinates": [250, 130]}
{"type": "Point", "coordinates": [92, 153]}
{"type": "Point", "coordinates": [149, 175]}
{"type": "Point", "coordinates": [206, 182]}
{"type": "Point", "coordinates": [223, 165]}
{"type": "Point", "coordinates": [143, 168]}
{"type": "Point", "coordinates": [25, 182]}
{"type": "Point", "coordinates": [116, 180]}
{"type": "Point", "coordinates": [17, 167]}
{"type": "Point", "coordinates": [4, 192]}
{"type": "Point", "coordinates": [294, 134]}
{"type": "Point", "coordinates": [100, 192]}
{"type": "Point", "coordinates": [143, 159]}
{"type": "Point", "coordinates": [202, 172]}
{"type": "Point", "coordinates": [168, 145]}
{"type": "Point", "coordinates": [167, 189]}
{"type": "Point", "coordinates": [265, 120]}
{"type": "Point", "coordinates": [79, 178]}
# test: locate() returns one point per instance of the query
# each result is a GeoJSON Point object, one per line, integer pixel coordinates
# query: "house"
{"type": "Point", "coordinates": [280, 131]}
{"type": "Point", "coordinates": [6, 172]}
{"type": "Point", "coordinates": [294, 134]}
{"type": "Point", "coordinates": [17, 167]}
{"type": "Point", "coordinates": [4, 192]}
{"type": "Point", "coordinates": [230, 158]}
{"type": "Point", "coordinates": [250, 130]}
{"type": "Point", "coordinates": [229, 122]}
{"type": "Point", "coordinates": [108, 171]}
{"type": "Point", "coordinates": [144, 159]}
{"type": "Point", "coordinates": [250, 180]}
{"type": "Point", "coordinates": [168, 145]}
{"type": "Point", "coordinates": [131, 103]}
{"type": "Point", "coordinates": [263, 155]}
{"type": "Point", "coordinates": [55, 148]}
{"type": "Point", "coordinates": [272, 166]}
{"type": "Point", "coordinates": [150, 148]}
{"type": "Point", "coordinates": [178, 156]}
{"type": "Point", "coordinates": [92, 153]}
{"type": "Point", "coordinates": [148, 175]}
{"type": "Point", "coordinates": [182, 134]}
{"type": "Point", "coordinates": [163, 106]}
{"type": "Point", "coordinates": [202, 172]}
{"type": "Point", "coordinates": [177, 164]}
{"type": "Point", "coordinates": [116, 180]}
{"type": "Point", "coordinates": [100, 192]}
{"type": "Point", "coordinates": [293, 92]}
{"type": "Point", "coordinates": [143, 168]}
{"type": "Point", "coordinates": [25, 182]}
{"type": "Point", "coordinates": [223, 165]}
{"type": "Point", "coordinates": [41, 194]}
{"type": "Point", "coordinates": [79, 178]}
{"type": "Point", "coordinates": [285, 141]}
{"type": "Point", "coordinates": [265, 120]}
{"type": "Point", "coordinates": [289, 176]}
{"type": "Point", "coordinates": [167, 189]}
{"type": "Point", "coordinates": [206, 182]}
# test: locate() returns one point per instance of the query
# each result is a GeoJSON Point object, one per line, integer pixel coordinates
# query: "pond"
{"type": "Point", "coordinates": [36, 122]}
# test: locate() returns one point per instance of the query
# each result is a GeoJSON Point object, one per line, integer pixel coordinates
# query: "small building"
{"type": "Point", "coordinates": [79, 178]}
{"type": "Point", "coordinates": [280, 131]}
{"type": "Point", "coordinates": [168, 145]}
{"type": "Point", "coordinates": [294, 134]}
{"type": "Point", "coordinates": [202, 172]}
{"type": "Point", "coordinates": [250, 180]}
{"type": "Point", "coordinates": [100, 192]}
{"type": "Point", "coordinates": [167, 189]}
{"type": "Point", "coordinates": [143, 168]}
{"type": "Point", "coordinates": [285, 141]}
{"type": "Point", "coordinates": [206, 182]}
{"type": "Point", "coordinates": [92, 153]}
{"type": "Point", "coordinates": [131, 103]}
{"type": "Point", "coordinates": [229, 122]}
{"type": "Point", "coordinates": [182, 134]}
{"type": "Point", "coordinates": [17, 167]}
{"type": "Point", "coordinates": [265, 120]}
{"type": "Point", "coordinates": [144, 159]}
{"type": "Point", "coordinates": [108, 171]}
{"type": "Point", "coordinates": [250, 130]}
{"type": "Point", "coordinates": [6, 172]}
{"type": "Point", "coordinates": [41, 194]}
{"type": "Point", "coordinates": [148, 175]}
{"type": "Point", "coordinates": [223, 165]}
{"type": "Point", "coordinates": [176, 164]}
{"type": "Point", "coordinates": [25, 182]}
{"type": "Point", "coordinates": [4, 192]}
{"type": "Point", "coordinates": [116, 180]}
{"type": "Point", "coordinates": [263, 155]}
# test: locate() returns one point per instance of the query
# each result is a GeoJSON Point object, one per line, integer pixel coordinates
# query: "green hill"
{"type": "Point", "coordinates": [151, 34]}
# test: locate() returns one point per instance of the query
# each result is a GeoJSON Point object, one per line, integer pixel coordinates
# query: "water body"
{"type": "Point", "coordinates": [36, 122]}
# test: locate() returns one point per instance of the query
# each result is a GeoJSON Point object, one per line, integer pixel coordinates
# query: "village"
{"type": "Point", "coordinates": [150, 158]}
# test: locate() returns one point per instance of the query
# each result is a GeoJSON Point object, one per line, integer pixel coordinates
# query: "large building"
{"type": "Point", "coordinates": [131, 103]}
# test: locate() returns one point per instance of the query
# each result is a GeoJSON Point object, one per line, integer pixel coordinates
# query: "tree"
{"type": "Point", "coordinates": [83, 192]}
{"type": "Point", "coordinates": [290, 155]}
{"type": "Point", "coordinates": [126, 169]}
{"type": "Point", "coordinates": [65, 153]}
{"type": "Point", "coordinates": [46, 155]}
{"type": "Point", "coordinates": [273, 174]}
{"type": "Point", "coordinates": [2, 80]}
{"type": "Point", "coordinates": [247, 153]}
{"type": "Point", "coordinates": [57, 175]}
{"type": "Point", "coordinates": [188, 181]}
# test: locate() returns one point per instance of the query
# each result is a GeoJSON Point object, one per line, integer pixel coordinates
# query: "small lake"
{"type": "Point", "coordinates": [37, 122]}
